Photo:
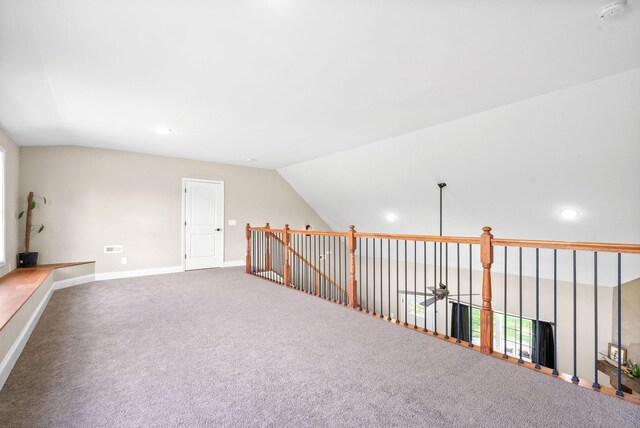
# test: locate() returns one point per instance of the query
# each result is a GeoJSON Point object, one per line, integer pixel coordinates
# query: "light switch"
{"type": "Point", "coordinates": [232, 222]}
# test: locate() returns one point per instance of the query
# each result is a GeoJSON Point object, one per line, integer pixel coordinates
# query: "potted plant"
{"type": "Point", "coordinates": [29, 258]}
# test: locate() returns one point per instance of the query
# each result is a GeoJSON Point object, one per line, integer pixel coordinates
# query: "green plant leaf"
{"type": "Point", "coordinates": [33, 204]}
{"type": "Point", "coordinates": [20, 215]}
{"type": "Point", "coordinates": [41, 228]}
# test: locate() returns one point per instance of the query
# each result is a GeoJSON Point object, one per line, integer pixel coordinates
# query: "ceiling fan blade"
{"type": "Point", "coordinates": [411, 292]}
{"type": "Point", "coordinates": [428, 302]}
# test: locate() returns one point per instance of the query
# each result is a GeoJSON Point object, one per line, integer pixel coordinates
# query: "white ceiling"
{"type": "Point", "coordinates": [286, 81]}
{"type": "Point", "coordinates": [514, 168]}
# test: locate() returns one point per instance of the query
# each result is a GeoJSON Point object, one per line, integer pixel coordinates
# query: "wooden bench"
{"type": "Point", "coordinates": [18, 285]}
{"type": "Point", "coordinates": [24, 294]}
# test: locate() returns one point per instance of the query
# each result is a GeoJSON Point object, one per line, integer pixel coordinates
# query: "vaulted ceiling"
{"type": "Point", "coordinates": [286, 81]}
{"type": "Point", "coordinates": [523, 107]}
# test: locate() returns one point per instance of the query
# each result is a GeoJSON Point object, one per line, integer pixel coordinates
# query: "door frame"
{"type": "Point", "coordinates": [183, 248]}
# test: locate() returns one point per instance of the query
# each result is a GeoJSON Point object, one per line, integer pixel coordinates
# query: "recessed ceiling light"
{"type": "Point", "coordinates": [250, 160]}
{"type": "Point", "coordinates": [163, 130]}
{"type": "Point", "coordinates": [391, 217]}
{"type": "Point", "coordinates": [569, 213]}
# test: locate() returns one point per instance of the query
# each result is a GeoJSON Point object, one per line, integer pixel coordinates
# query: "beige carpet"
{"type": "Point", "coordinates": [222, 348]}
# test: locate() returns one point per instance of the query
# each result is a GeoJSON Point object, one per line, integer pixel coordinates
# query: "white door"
{"type": "Point", "coordinates": [204, 219]}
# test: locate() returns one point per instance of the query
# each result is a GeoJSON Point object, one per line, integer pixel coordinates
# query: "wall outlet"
{"type": "Point", "coordinates": [123, 260]}
{"type": "Point", "coordinates": [232, 223]}
{"type": "Point", "coordinates": [110, 249]}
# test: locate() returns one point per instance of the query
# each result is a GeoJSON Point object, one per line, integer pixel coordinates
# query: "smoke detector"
{"type": "Point", "coordinates": [612, 9]}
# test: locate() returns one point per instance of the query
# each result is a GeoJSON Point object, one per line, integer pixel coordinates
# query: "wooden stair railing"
{"type": "Point", "coordinates": [486, 243]}
{"type": "Point", "coordinates": [287, 267]}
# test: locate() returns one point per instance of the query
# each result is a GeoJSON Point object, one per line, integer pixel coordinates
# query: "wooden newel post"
{"type": "Point", "coordinates": [287, 266]}
{"type": "Point", "coordinates": [267, 249]}
{"type": "Point", "coordinates": [248, 258]}
{"type": "Point", "coordinates": [353, 285]}
{"type": "Point", "coordinates": [486, 314]}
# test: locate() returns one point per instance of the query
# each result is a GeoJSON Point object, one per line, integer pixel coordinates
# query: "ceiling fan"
{"type": "Point", "coordinates": [439, 294]}
{"type": "Point", "coordinates": [442, 291]}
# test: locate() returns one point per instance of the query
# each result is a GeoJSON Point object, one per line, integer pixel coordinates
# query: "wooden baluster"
{"type": "Point", "coordinates": [486, 314]}
{"type": "Point", "coordinates": [248, 258]}
{"type": "Point", "coordinates": [267, 252]}
{"type": "Point", "coordinates": [287, 265]}
{"type": "Point", "coordinates": [353, 289]}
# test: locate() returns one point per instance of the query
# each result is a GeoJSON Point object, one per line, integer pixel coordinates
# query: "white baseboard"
{"type": "Point", "coordinates": [139, 272]}
{"type": "Point", "coordinates": [16, 349]}
{"type": "Point", "coordinates": [154, 271]}
{"type": "Point", "coordinates": [64, 283]}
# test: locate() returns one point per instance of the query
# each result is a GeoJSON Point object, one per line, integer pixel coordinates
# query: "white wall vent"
{"type": "Point", "coordinates": [108, 249]}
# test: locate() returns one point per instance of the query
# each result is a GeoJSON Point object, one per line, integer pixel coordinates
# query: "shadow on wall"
{"type": "Point", "coordinates": [630, 319]}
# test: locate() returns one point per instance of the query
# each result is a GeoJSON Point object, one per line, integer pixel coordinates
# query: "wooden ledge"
{"type": "Point", "coordinates": [18, 285]}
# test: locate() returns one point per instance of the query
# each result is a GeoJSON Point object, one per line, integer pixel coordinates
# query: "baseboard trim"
{"type": "Point", "coordinates": [64, 283]}
{"type": "Point", "coordinates": [154, 271]}
{"type": "Point", "coordinates": [16, 349]}
{"type": "Point", "coordinates": [139, 272]}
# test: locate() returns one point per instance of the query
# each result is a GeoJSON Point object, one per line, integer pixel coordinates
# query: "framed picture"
{"type": "Point", "coordinates": [613, 353]}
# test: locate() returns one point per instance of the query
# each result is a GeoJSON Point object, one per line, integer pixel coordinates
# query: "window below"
{"type": "Point", "coordinates": [512, 336]}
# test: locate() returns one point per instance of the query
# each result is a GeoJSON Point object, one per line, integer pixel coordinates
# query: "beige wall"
{"type": "Point", "coordinates": [630, 330]}
{"type": "Point", "coordinates": [11, 153]}
{"type": "Point", "coordinates": [104, 197]}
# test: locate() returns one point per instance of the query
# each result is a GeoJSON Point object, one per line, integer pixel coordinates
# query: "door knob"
{"type": "Point", "coordinates": [218, 230]}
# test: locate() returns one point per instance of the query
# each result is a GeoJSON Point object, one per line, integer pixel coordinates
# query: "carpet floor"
{"type": "Point", "coordinates": [222, 348]}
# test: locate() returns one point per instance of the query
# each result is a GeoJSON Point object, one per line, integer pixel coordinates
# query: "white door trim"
{"type": "Point", "coordinates": [183, 247]}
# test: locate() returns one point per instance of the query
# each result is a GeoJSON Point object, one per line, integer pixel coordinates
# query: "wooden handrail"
{"type": "Point", "coordinates": [421, 238]}
{"type": "Point", "coordinates": [304, 260]}
{"type": "Point", "coordinates": [265, 229]}
{"type": "Point", "coordinates": [565, 245]}
{"type": "Point", "coordinates": [318, 233]}
{"type": "Point", "coordinates": [299, 232]}
{"type": "Point", "coordinates": [307, 262]}
{"type": "Point", "coordinates": [496, 242]}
